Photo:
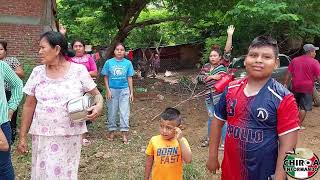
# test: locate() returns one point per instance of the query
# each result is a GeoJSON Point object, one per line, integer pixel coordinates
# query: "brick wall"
{"type": "Point", "coordinates": [23, 37]}
{"type": "Point", "coordinates": [32, 8]}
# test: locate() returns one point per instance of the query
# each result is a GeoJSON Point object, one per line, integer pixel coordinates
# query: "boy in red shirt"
{"type": "Point", "coordinates": [262, 118]}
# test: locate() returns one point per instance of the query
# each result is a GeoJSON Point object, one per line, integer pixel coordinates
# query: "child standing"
{"type": "Point", "coordinates": [262, 120]}
{"type": "Point", "coordinates": [166, 151]}
{"type": "Point", "coordinates": [118, 73]}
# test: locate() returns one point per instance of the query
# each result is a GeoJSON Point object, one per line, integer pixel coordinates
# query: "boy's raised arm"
{"type": "Point", "coordinates": [185, 148]}
{"type": "Point", "coordinates": [185, 151]}
{"type": "Point", "coordinates": [148, 167]}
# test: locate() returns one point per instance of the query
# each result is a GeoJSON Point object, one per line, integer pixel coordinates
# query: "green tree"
{"type": "Point", "coordinates": [145, 22]}
{"type": "Point", "coordinates": [110, 21]}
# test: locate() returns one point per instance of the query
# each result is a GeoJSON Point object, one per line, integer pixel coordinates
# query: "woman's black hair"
{"type": "Point", "coordinates": [78, 40]}
{"type": "Point", "coordinates": [217, 49]}
{"type": "Point", "coordinates": [57, 39]}
{"type": "Point", "coordinates": [4, 45]}
{"type": "Point", "coordinates": [119, 43]}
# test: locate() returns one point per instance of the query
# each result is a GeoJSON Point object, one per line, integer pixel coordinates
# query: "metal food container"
{"type": "Point", "coordinates": [77, 108]}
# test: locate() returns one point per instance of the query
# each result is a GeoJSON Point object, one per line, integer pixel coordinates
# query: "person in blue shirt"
{"type": "Point", "coordinates": [118, 73]}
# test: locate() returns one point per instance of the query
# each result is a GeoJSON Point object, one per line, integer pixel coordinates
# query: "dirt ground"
{"type": "Point", "coordinates": [105, 160]}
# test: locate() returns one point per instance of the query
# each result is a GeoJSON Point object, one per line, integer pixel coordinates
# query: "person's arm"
{"type": "Point", "coordinates": [97, 108]}
{"type": "Point", "coordinates": [286, 143]}
{"type": "Point", "coordinates": [93, 67]}
{"type": "Point", "coordinates": [287, 79]}
{"type": "Point", "coordinates": [4, 145]}
{"type": "Point", "coordinates": [130, 88]}
{"type": "Point", "coordinates": [93, 73]}
{"type": "Point", "coordinates": [19, 71]}
{"type": "Point", "coordinates": [130, 73]}
{"type": "Point", "coordinates": [185, 149]}
{"type": "Point", "coordinates": [220, 116]}
{"type": "Point", "coordinates": [105, 73]}
{"type": "Point", "coordinates": [62, 30]}
{"type": "Point", "coordinates": [26, 120]}
{"type": "Point", "coordinates": [317, 71]}
{"type": "Point", "coordinates": [214, 141]}
{"type": "Point", "coordinates": [108, 91]}
{"type": "Point", "coordinates": [16, 89]}
{"type": "Point", "coordinates": [148, 167]}
{"type": "Point", "coordinates": [287, 128]}
{"type": "Point", "coordinates": [203, 74]}
{"type": "Point", "coordinates": [230, 32]}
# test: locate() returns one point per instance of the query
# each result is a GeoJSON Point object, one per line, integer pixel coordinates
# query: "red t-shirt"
{"type": "Point", "coordinates": [304, 70]}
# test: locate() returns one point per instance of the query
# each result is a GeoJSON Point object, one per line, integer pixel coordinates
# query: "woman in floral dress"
{"type": "Point", "coordinates": [56, 140]}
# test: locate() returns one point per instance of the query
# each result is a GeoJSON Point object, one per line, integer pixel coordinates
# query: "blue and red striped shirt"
{"type": "Point", "coordinates": [254, 125]}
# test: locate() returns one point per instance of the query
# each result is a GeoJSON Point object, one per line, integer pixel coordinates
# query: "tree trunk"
{"type": "Point", "coordinates": [120, 37]}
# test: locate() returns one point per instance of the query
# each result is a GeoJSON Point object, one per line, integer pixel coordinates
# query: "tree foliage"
{"type": "Point", "coordinates": [142, 23]}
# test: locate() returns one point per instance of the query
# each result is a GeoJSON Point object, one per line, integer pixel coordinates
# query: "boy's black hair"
{"type": "Point", "coordinates": [262, 41]}
{"type": "Point", "coordinates": [171, 114]}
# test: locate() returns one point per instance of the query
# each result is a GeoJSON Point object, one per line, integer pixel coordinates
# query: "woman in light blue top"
{"type": "Point", "coordinates": [118, 73]}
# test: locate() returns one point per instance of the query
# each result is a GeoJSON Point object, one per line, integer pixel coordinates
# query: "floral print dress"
{"type": "Point", "coordinates": [56, 141]}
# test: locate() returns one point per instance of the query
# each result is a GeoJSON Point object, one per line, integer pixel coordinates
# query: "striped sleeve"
{"type": "Point", "coordinates": [15, 84]}
{"type": "Point", "coordinates": [204, 73]}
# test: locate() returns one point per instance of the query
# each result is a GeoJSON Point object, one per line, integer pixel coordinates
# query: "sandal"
{"type": "Point", "coordinates": [85, 142]}
{"type": "Point", "coordinates": [205, 143]}
{"type": "Point", "coordinates": [221, 148]}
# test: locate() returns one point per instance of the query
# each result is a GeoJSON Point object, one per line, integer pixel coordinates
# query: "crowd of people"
{"type": "Point", "coordinates": [255, 121]}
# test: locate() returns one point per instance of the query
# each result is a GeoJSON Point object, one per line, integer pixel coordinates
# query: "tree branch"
{"type": "Point", "coordinates": [154, 21]}
{"type": "Point", "coordinates": [135, 7]}
{"type": "Point", "coordinates": [137, 13]}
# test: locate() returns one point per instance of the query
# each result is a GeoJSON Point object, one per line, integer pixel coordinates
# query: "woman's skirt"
{"type": "Point", "coordinates": [55, 157]}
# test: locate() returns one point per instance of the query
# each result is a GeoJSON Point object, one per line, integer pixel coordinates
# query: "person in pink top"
{"type": "Point", "coordinates": [87, 60]}
{"type": "Point", "coordinates": [303, 71]}
{"type": "Point", "coordinates": [82, 58]}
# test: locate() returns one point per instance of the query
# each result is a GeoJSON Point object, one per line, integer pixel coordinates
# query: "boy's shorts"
{"type": "Point", "coordinates": [304, 101]}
